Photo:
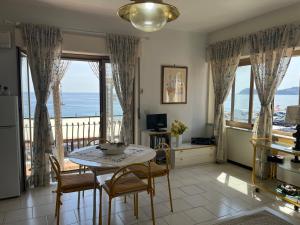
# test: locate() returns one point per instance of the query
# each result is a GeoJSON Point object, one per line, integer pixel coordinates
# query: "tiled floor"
{"type": "Point", "coordinates": [201, 195]}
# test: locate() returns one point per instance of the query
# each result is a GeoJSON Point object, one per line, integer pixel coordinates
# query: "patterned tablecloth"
{"type": "Point", "coordinates": [132, 154]}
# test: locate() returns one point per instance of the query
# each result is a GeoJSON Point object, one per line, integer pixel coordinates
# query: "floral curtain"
{"type": "Point", "coordinates": [123, 52]}
{"type": "Point", "coordinates": [59, 71]}
{"type": "Point", "coordinates": [43, 44]}
{"type": "Point", "coordinates": [223, 58]}
{"type": "Point", "coordinates": [270, 55]}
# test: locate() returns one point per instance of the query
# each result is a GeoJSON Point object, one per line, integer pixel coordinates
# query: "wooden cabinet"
{"type": "Point", "coordinates": [187, 155]}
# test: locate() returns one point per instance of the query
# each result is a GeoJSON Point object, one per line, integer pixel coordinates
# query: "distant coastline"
{"type": "Point", "coordinates": [286, 91]}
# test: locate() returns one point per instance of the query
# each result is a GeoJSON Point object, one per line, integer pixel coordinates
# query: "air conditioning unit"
{"type": "Point", "coordinates": [5, 39]}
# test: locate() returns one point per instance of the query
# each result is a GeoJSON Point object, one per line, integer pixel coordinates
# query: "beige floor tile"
{"type": "Point", "coordinates": [200, 214]}
{"type": "Point", "coordinates": [192, 189]}
{"type": "Point", "coordinates": [180, 205]}
{"type": "Point", "coordinates": [162, 209]}
{"type": "Point", "coordinates": [178, 219]}
{"type": "Point", "coordinates": [34, 221]}
{"type": "Point", "coordinates": [17, 215]}
{"type": "Point", "coordinates": [197, 200]}
{"type": "Point", "coordinates": [10, 204]}
{"type": "Point", "coordinates": [128, 217]}
{"type": "Point", "coordinates": [66, 218]}
{"type": "Point", "coordinates": [219, 210]}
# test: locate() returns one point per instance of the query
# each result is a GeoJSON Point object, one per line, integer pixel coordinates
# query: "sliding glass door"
{"type": "Point", "coordinates": [89, 106]}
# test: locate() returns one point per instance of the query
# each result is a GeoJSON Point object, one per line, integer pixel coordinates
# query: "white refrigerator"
{"type": "Point", "coordinates": [10, 162]}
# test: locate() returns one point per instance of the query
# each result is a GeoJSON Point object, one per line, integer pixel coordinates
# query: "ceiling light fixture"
{"type": "Point", "coordinates": [148, 16]}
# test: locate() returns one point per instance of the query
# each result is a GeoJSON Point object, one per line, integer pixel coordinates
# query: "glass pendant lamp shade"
{"type": "Point", "coordinates": [148, 16]}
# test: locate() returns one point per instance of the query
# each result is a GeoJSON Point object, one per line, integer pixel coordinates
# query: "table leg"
{"type": "Point", "coordinates": [94, 198]}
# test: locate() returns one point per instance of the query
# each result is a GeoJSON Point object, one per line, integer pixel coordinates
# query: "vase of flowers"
{"type": "Point", "coordinates": [177, 129]}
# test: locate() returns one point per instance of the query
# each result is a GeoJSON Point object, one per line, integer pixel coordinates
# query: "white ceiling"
{"type": "Point", "coordinates": [196, 15]}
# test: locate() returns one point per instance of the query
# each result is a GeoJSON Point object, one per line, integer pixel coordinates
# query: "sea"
{"type": "Point", "coordinates": [242, 105]}
{"type": "Point", "coordinates": [87, 104]}
{"type": "Point", "coordinates": [73, 105]}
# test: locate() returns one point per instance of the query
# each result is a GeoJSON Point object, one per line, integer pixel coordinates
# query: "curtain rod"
{"type": "Point", "coordinates": [74, 31]}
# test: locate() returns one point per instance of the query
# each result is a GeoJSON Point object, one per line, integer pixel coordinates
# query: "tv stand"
{"type": "Point", "coordinates": [152, 138]}
{"type": "Point", "coordinates": [159, 130]}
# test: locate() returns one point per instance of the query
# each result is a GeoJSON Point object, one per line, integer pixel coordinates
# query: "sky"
{"type": "Point", "coordinates": [80, 78]}
{"type": "Point", "coordinates": [291, 79]}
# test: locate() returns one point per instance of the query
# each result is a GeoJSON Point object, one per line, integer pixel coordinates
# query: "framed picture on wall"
{"type": "Point", "coordinates": [174, 84]}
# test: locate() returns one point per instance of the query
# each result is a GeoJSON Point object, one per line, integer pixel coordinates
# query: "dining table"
{"type": "Point", "coordinates": [100, 163]}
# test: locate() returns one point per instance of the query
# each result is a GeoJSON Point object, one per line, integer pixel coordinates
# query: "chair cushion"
{"type": "Point", "coordinates": [156, 170]}
{"type": "Point", "coordinates": [126, 184]}
{"type": "Point", "coordinates": [73, 182]}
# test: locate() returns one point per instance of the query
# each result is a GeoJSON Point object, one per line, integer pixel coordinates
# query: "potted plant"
{"type": "Point", "coordinates": [177, 129]}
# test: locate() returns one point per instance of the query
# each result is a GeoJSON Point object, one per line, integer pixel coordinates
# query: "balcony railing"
{"type": "Point", "coordinates": [77, 132]}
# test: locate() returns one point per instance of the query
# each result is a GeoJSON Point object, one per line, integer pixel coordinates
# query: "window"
{"type": "Point", "coordinates": [242, 105]}
{"type": "Point", "coordinates": [238, 104]}
{"type": "Point", "coordinates": [287, 94]}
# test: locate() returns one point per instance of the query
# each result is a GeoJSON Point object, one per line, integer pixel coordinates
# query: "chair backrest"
{"type": "Point", "coordinates": [132, 169]}
{"type": "Point", "coordinates": [164, 147]}
{"type": "Point", "coordinates": [55, 166]}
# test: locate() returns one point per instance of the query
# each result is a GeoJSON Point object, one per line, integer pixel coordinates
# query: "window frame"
{"type": "Point", "coordinates": [249, 125]}
{"type": "Point", "coordinates": [232, 122]}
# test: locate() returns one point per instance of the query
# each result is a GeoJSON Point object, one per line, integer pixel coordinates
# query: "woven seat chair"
{"type": "Point", "coordinates": [160, 170]}
{"type": "Point", "coordinates": [124, 182]}
{"type": "Point", "coordinates": [98, 171]}
{"type": "Point", "coordinates": [67, 183]}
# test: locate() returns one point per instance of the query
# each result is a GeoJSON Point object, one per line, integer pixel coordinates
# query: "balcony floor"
{"type": "Point", "coordinates": [201, 195]}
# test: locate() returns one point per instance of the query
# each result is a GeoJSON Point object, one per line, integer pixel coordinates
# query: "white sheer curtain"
{"type": "Point", "coordinates": [43, 45]}
{"type": "Point", "coordinates": [123, 52]}
{"type": "Point", "coordinates": [59, 71]}
{"type": "Point", "coordinates": [223, 58]}
{"type": "Point", "coordinates": [270, 55]}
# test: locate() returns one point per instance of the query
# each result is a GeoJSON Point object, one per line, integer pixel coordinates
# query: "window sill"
{"type": "Point", "coordinates": [239, 128]}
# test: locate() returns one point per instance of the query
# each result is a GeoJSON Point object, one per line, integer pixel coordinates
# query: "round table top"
{"type": "Point", "coordinates": [90, 156]}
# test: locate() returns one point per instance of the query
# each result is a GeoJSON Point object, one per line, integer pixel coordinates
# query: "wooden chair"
{"type": "Point", "coordinates": [67, 183]}
{"type": "Point", "coordinates": [102, 171]}
{"type": "Point", "coordinates": [124, 182]}
{"type": "Point", "coordinates": [161, 170]}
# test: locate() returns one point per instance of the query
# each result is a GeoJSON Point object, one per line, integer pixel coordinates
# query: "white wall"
{"type": "Point", "coordinates": [286, 15]}
{"type": "Point", "coordinates": [183, 49]}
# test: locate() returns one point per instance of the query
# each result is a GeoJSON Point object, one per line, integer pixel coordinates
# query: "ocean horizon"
{"type": "Point", "coordinates": [74, 104]}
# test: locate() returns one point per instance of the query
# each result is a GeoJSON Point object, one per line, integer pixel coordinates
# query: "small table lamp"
{"type": "Point", "coordinates": [293, 117]}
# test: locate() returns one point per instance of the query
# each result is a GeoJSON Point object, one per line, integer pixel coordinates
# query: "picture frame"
{"type": "Point", "coordinates": [174, 84]}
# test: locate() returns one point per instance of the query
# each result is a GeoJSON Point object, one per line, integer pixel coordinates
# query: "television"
{"type": "Point", "coordinates": [157, 122]}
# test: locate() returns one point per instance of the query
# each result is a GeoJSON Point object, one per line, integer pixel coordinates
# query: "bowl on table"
{"type": "Point", "coordinates": [112, 148]}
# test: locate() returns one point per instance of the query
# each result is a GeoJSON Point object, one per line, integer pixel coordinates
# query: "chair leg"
{"type": "Point", "coordinates": [100, 206]}
{"type": "Point", "coordinates": [58, 209]}
{"type": "Point", "coordinates": [84, 169]}
{"type": "Point", "coordinates": [134, 205]}
{"type": "Point", "coordinates": [109, 211]}
{"type": "Point", "coordinates": [137, 205]}
{"type": "Point", "coordinates": [152, 207]}
{"type": "Point", "coordinates": [153, 182]}
{"type": "Point", "coordinates": [125, 199]}
{"type": "Point", "coordinates": [56, 203]}
{"type": "Point", "coordinates": [78, 200]}
{"type": "Point", "coordinates": [170, 194]}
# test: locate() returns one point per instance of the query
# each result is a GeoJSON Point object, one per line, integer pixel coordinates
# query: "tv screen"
{"type": "Point", "coordinates": [156, 121]}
